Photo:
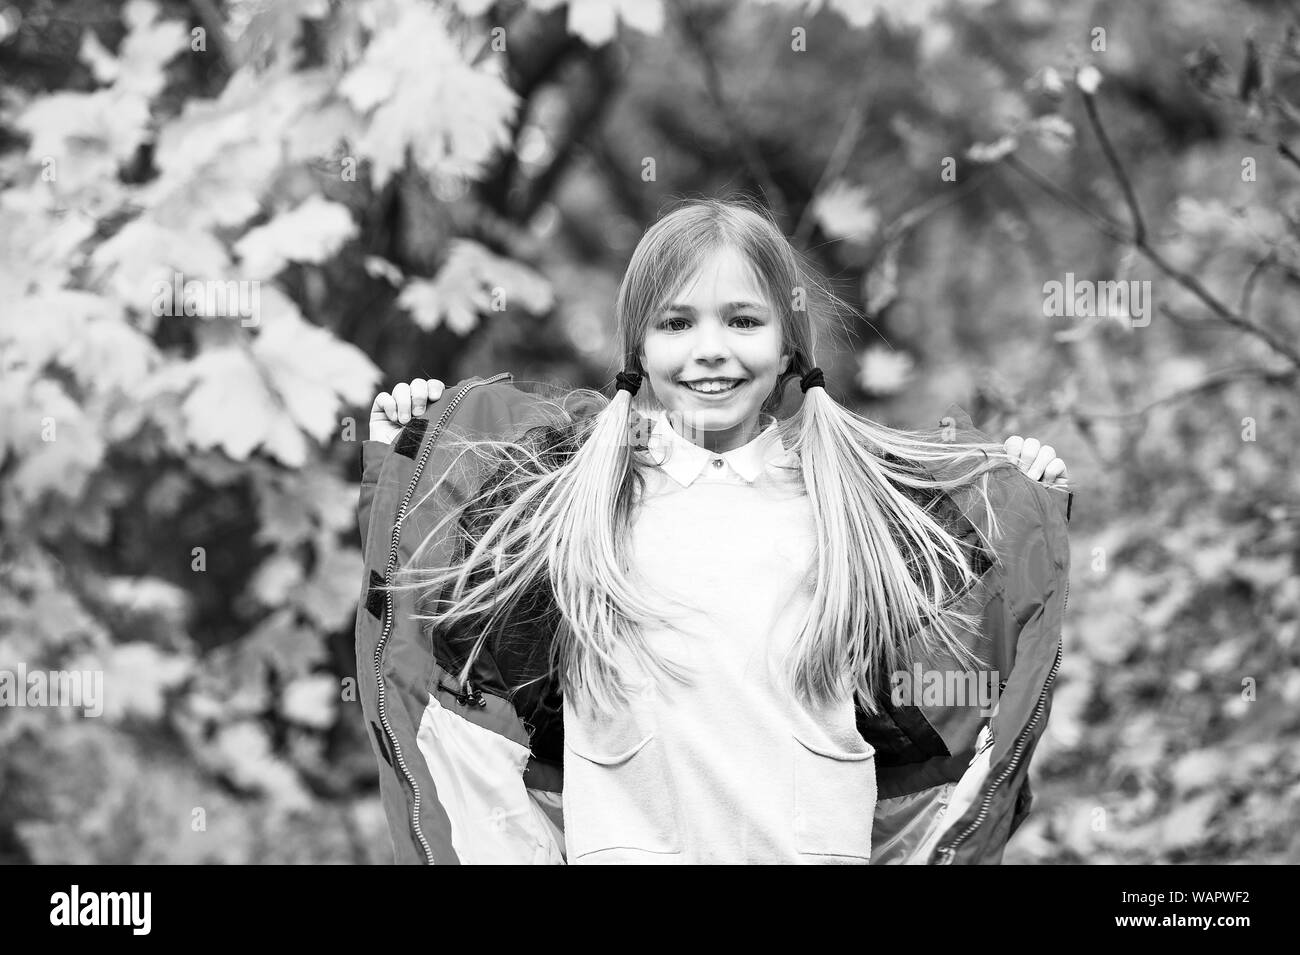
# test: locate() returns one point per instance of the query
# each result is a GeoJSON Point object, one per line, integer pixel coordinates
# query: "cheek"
{"type": "Point", "coordinates": [765, 355]}
{"type": "Point", "coordinates": [660, 358]}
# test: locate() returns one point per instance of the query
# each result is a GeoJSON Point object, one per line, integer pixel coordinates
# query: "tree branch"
{"type": "Point", "coordinates": [1210, 384]}
{"type": "Point", "coordinates": [838, 159]}
{"type": "Point", "coordinates": [749, 152]}
{"type": "Point", "coordinates": [1248, 287]}
{"type": "Point", "coordinates": [1185, 279]}
{"type": "Point", "coordinates": [1130, 197]}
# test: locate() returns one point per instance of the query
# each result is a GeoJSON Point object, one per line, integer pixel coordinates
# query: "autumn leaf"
{"type": "Point", "coordinates": [144, 254]}
{"type": "Point", "coordinates": [311, 700]}
{"type": "Point", "coordinates": [424, 97]}
{"type": "Point", "coordinates": [845, 211]}
{"type": "Point", "coordinates": [465, 287]}
{"type": "Point", "coordinates": [311, 232]}
{"type": "Point", "coordinates": [595, 21]}
{"type": "Point", "coordinates": [328, 598]}
{"type": "Point", "coordinates": [314, 373]}
{"type": "Point", "coordinates": [884, 371]}
{"type": "Point", "coordinates": [243, 751]}
{"type": "Point", "coordinates": [279, 642]}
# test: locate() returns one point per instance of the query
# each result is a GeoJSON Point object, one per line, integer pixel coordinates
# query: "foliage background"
{"type": "Point", "coordinates": [419, 197]}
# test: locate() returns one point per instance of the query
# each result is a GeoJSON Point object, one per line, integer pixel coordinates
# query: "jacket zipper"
{"type": "Point", "coordinates": [388, 603]}
{"type": "Point", "coordinates": [949, 851]}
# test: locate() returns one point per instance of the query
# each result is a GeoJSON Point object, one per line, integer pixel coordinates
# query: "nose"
{"type": "Point", "coordinates": [710, 343]}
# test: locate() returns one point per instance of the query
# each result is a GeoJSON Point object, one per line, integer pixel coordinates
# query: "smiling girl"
{"type": "Point", "coordinates": [707, 599]}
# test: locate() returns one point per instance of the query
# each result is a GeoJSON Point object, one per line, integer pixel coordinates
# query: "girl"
{"type": "Point", "coordinates": [702, 601]}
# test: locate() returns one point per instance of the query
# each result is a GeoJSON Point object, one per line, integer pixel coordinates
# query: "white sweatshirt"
{"type": "Point", "coordinates": [730, 769]}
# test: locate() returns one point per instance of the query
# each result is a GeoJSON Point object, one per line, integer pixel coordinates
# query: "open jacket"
{"type": "Point", "coordinates": [473, 774]}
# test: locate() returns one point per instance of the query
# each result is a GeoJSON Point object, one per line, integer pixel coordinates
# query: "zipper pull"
{"type": "Point", "coordinates": [472, 696]}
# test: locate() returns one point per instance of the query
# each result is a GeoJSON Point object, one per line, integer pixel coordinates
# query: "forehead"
{"type": "Point", "coordinates": [725, 278]}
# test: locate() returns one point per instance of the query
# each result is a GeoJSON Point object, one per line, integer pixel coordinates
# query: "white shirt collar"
{"type": "Point", "coordinates": [684, 461]}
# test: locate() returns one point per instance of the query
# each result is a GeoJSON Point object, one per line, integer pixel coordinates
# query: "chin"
{"type": "Point", "coordinates": [714, 419]}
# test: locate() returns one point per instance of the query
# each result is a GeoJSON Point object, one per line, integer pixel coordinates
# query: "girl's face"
{"type": "Point", "coordinates": [719, 327]}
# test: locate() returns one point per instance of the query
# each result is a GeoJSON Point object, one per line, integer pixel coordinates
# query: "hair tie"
{"type": "Point", "coordinates": [627, 381]}
{"type": "Point", "coordinates": [812, 379]}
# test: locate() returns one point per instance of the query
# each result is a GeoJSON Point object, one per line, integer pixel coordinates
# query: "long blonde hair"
{"type": "Point", "coordinates": [544, 542]}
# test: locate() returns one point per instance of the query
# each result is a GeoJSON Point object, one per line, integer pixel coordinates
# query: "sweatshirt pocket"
{"type": "Point", "coordinates": [617, 791]}
{"type": "Point", "coordinates": [834, 799]}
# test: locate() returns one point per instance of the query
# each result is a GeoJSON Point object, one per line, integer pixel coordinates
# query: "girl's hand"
{"type": "Point", "coordinates": [390, 411]}
{"type": "Point", "coordinates": [1039, 461]}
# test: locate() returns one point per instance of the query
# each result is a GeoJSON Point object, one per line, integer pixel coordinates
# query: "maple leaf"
{"type": "Point", "coordinates": [596, 21]}
{"type": "Point", "coordinates": [136, 678]}
{"type": "Point", "coordinates": [291, 379]}
{"type": "Point", "coordinates": [38, 247]}
{"type": "Point", "coordinates": [85, 135]}
{"type": "Point", "coordinates": [89, 134]}
{"type": "Point", "coordinates": [293, 506]}
{"type": "Point", "coordinates": [230, 405]}
{"type": "Point", "coordinates": [311, 700]}
{"type": "Point", "coordinates": [845, 211]}
{"type": "Point", "coordinates": [424, 97]}
{"type": "Point", "coordinates": [149, 45]}
{"type": "Point", "coordinates": [461, 291]}
{"type": "Point", "coordinates": [883, 371]}
{"type": "Point", "coordinates": [145, 253]}
{"type": "Point", "coordinates": [328, 598]}
{"type": "Point", "coordinates": [311, 232]}
{"type": "Point", "coordinates": [243, 750]}
{"type": "Point", "coordinates": [312, 370]}
{"type": "Point", "coordinates": [258, 26]}
{"type": "Point", "coordinates": [61, 465]}
{"type": "Point", "coordinates": [282, 644]}
{"type": "Point", "coordinates": [276, 578]}
{"type": "Point", "coordinates": [83, 333]}
{"type": "Point", "coordinates": [219, 157]}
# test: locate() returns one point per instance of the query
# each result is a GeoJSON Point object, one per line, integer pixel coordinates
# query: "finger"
{"type": "Point", "coordinates": [1029, 453]}
{"type": "Point", "coordinates": [435, 389]}
{"type": "Point", "coordinates": [1013, 445]}
{"type": "Point", "coordinates": [1041, 461]}
{"type": "Point", "coordinates": [384, 407]}
{"type": "Point", "coordinates": [1055, 472]}
{"type": "Point", "coordinates": [419, 395]}
{"type": "Point", "coordinates": [402, 394]}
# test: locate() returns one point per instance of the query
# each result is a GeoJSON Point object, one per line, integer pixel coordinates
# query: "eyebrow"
{"type": "Point", "coordinates": [729, 307]}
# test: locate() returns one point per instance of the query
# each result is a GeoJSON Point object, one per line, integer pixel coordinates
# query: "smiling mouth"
{"type": "Point", "coordinates": [713, 387]}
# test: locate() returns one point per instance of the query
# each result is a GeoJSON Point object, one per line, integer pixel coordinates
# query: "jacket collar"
{"type": "Point", "coordinates": [684, 461]}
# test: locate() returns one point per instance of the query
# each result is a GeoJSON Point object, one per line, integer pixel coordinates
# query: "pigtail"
{"type": "Point", "coordinates": [544, 539]}
{"type": "Point", "coordinates": [588, 559]}
{"type": "Point", "coordinates": [889, 571]}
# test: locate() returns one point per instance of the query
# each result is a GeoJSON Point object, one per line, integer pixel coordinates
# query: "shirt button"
{"type": "Point", "coordinates": [717, 462]}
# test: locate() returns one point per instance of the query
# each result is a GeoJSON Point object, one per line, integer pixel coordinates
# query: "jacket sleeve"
{"type": "Point", "coordinates": [372, 459]}
{"type": "Point", "coordinates": [992, 799]}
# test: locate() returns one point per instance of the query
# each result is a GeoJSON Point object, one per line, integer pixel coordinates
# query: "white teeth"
{"type": "Point", "coordinates": [711, 387]}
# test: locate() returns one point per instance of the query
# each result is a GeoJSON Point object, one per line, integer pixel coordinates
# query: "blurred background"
{"type": "Point", "coordinates": [226, 224]}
